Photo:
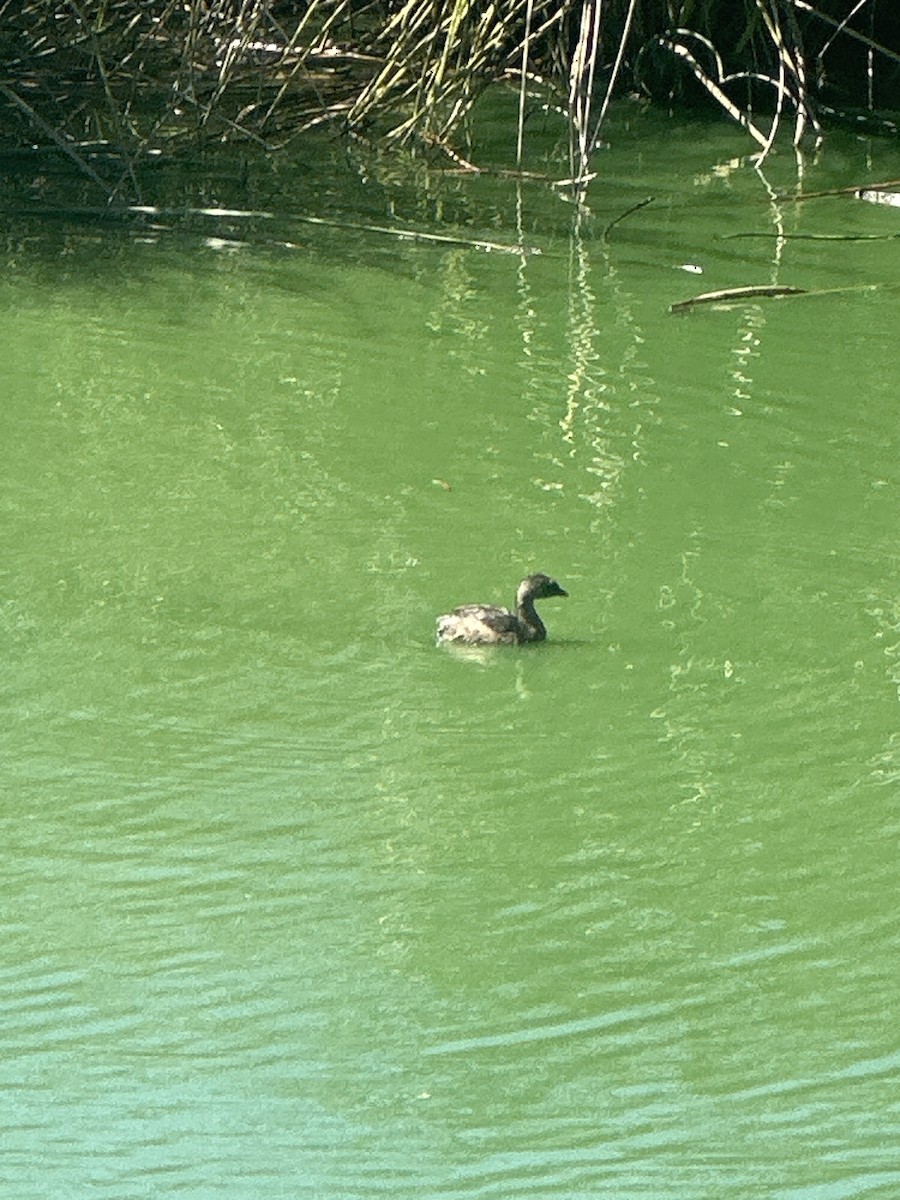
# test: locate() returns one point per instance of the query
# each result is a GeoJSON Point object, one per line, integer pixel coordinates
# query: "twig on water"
{"type": "Point", "coordinates": [411, 235]}
{"type": "Point", "coordinates": [811, 237]}
{"type": "Point", "coordinates": [627, 213]}
{"type": "Point", "coordinates": [853, 190]}
{"type": "Point", "coordinates": [741, 293]}
{"type": "Point", "coordinates": [753, 292]}
{"type": "Point", "coordinates": [414, 235]}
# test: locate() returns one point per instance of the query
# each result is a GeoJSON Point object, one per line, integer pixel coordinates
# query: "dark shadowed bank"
{"type": "Point", "coordinates": [112, 84]}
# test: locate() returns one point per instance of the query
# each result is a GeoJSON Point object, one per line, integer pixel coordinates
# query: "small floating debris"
{"type": "Point", "coordinates": [879, 197]}
{"type": "Point", "coordinates": [217, 243]}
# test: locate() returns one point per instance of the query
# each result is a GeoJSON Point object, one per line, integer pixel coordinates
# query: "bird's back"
{"type": "Point", "coordinates": [479, 623]}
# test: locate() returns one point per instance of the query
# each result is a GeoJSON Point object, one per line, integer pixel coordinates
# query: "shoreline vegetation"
{"type": "Point", "coordinates": [112, 85]}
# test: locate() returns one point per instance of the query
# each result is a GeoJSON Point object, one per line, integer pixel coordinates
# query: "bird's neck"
{"type": "Point", "coordinates": [527, 614]}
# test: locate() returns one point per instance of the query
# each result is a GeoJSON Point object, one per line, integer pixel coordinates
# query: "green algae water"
{"type": "Point", "coordinates": [295, 903]}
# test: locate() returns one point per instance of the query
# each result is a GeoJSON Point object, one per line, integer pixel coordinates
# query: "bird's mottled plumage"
{"type": "Point", "coordinates": [486, 624]}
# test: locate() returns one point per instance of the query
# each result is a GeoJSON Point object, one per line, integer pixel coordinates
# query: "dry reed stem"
{"type": "Point", "coordinates": [712, 86]}
{"type": "Point", "coordinates": [145, 77]}
{"type": "Point", "coordinates": [617, 66]}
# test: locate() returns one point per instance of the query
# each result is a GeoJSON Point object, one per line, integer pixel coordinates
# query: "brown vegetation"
{"type": "Point", "coordinates": [113, 81]}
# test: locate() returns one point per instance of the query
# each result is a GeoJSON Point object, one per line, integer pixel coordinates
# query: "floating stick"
{"type": "Point", "coordinates": [626, 213]}
{"type": "Point", "coordinates": [741, 293]}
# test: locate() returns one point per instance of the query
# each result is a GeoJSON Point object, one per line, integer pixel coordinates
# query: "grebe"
{"type": "Point", "coordinates": [486, 624]}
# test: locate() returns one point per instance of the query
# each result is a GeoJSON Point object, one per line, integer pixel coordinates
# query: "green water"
{"type": "Point", "coordinates": [296, 904]}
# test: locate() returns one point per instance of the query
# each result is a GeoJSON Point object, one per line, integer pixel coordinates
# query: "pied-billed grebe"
{"type": "Point", "coordinates": [486, 624]}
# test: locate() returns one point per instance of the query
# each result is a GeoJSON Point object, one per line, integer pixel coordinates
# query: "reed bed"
{"type": "Point", "coordinates": [110, 82]}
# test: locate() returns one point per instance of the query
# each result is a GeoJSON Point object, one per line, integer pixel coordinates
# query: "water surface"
{"type": "Point", "coordinates": [294, 903]}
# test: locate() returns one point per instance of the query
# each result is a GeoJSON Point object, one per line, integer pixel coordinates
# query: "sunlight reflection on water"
{"type": "Point", "coordinates": [294, 900]}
